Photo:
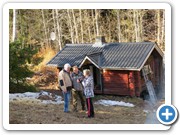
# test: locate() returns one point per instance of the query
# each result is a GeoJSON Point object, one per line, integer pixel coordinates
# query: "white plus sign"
{"type": "Point", "coordinates": [167, 114]}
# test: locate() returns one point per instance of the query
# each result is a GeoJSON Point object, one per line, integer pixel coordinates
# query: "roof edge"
{"type": "Point", "coordinates": [87, 58]}
{"type": "Point", "coordinates": [147, 57]}
{"type": "Point", "coordinates": [53, 65]}
{"type": "Point", "coordinates": [159, 50]}
{"type": "Point", "coordinates": [117, 68]}
{"type": "Point", "coordinates": [79, 44]}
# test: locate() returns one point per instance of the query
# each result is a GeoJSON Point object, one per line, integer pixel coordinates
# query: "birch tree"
{"type": "Point", "coordinates": [54, 21]}
{"type": "Point", "coordinates": [75, 27]}
{"type": "Point", "coordinates": [119, 26]}
{"type": "Point", "coordinates": [163, 30]}
{"type": "Point", "coordinates": [97, 24]}
{"type": "Point", "coordinates": [158, 26]}
{"type": "Point", "coordinates": [93, 23]}
{"type": "Point", "coordinates": [80, 14]}
{"type": "Point", "coordinates": [14, 25]}
{"type": "Point", "coordinates": [45, 29]}
{"type": "Point", "coordinates": [141, 13]}
{"type": "Point", "coordinates": [58, 30]}
{"type": "Point", "coordinates": [71, 27]}
{"type": "Point", "coordinates": [83, 25]}
{"type": "Point", "coordinates": [135, 25]}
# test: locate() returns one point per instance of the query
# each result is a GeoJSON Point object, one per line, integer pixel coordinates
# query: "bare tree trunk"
{"type": "Point", "coordinates": [159, 26]}
{"type": "Point", "coordinates": [89, 26]}
{"type": "Point", "coordinates": [89, 32]}
{"type": "Point", "coordinates": [80, 14]}
{"type": "Point", "coordinates": [119, 26]}
{"type": "Point", "coordinates": [54, 21]}
{"type": "Point", "coordinates": [75, 26]}
{"type": "Point", "coordinates": [140, 25]}
{"type": "Point", "coordinates": [71, 28]}
{"type": "Point", "coordinates": [14, 25]}
{"type": "Point", "coordinates": [45, 30]}
{"type": "Point", "coordinates": [162, 30]}
{"type": "Point", "coordinates": [109, 30]}
{"type": "Point", "coordinates": [58, 30]}
{"type": "Point", "coordinates": [94, 27]}
{"type": "Point", "coordinates": [135, 25]}
{"type": "Point", "coordinates": [97, 25]}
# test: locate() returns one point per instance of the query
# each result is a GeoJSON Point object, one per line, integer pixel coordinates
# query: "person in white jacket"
{"type": "Point", "coordinates": [65, 84]}
{"type": "Point", "coordinates": [88, 84]}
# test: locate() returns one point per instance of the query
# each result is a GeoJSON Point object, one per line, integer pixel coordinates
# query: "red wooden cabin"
{"type": "Point", "coordinates": [116, 67]}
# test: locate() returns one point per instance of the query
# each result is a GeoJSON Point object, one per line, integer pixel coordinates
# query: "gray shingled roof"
{"type": "Point", "coordinates": [129, 56]}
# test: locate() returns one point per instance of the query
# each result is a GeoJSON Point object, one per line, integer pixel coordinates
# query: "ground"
{"type": "Point", "coordinates": [29, 112]}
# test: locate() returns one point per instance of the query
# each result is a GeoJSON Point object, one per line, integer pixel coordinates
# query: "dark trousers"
{"type": "Point", "coordinates": [75, 95]}
{"type": "Point", "coordinates": [90, 107]}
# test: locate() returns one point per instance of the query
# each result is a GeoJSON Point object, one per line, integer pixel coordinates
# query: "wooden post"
{"type": "Point", "coordinates": [131, 84]}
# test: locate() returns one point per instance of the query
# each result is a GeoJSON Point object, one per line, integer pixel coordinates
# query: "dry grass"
{"type": "Point", "coordinates": [45, 77]}
{"type": "Point", "coordinates": [29, 112]}
{"type": "Point", "coordinates": [47, 54]}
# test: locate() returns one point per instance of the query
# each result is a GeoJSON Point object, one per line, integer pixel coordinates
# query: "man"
{"type": "Point", "coordinates": [65, 83]}
{"type": "Point", "coordinates": [77, 77]}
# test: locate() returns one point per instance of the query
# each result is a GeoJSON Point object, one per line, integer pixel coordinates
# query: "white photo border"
{"type": "Point", "coordinates": [8, 6]}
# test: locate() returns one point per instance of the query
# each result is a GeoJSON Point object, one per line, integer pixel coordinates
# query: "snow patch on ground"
{"type": "Point", "coordinates": [146, 111]}
{"type": "Point", "coordinates": [50, 98]}
{"type": "Point", "coordinates": [113, 103]}
{"type": "Point", "coordinates": [36, 96]}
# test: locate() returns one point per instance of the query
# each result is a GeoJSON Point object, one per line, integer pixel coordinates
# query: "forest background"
{"type": "Point", "coordinates": [32, 44]}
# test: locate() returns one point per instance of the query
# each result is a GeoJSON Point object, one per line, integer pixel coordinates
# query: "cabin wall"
{"type": "Point", "coordinates": [115, 82]}
{"type": "Point", "coordinates": [138, 85]}
{"type": "Point", "coordinates": [155, 62]}
{"type": "Point", "coordinates": [122, 82]}
{"type": "Point", "coordinates": [131, 83]}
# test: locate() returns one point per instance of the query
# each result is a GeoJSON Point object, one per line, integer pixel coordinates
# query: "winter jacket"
{"type": "Point", "coordinates": [88, 84]}
{"type": "Point", "coordinates": [77, 86]}
{"type": "Point", "coordinates": [65, 81]}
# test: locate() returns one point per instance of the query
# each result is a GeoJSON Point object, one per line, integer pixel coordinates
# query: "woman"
{"type": "Point", "coordinates": [88, 91]}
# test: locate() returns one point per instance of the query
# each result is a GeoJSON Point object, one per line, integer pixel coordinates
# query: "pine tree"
{"type": "Point", "coordinates": [19, 57]}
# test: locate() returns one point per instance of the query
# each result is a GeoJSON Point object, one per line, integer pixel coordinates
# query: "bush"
{"type": "Point", "coordinates": [21, 88]}
{"type": "Point", "coordinates": [46, 54]}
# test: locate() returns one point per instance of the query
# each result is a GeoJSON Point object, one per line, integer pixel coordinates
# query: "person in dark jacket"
{"type": "Point", "coordinates": [77, 91]}
{"type": "Point", "coordinates": [88, 84]}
